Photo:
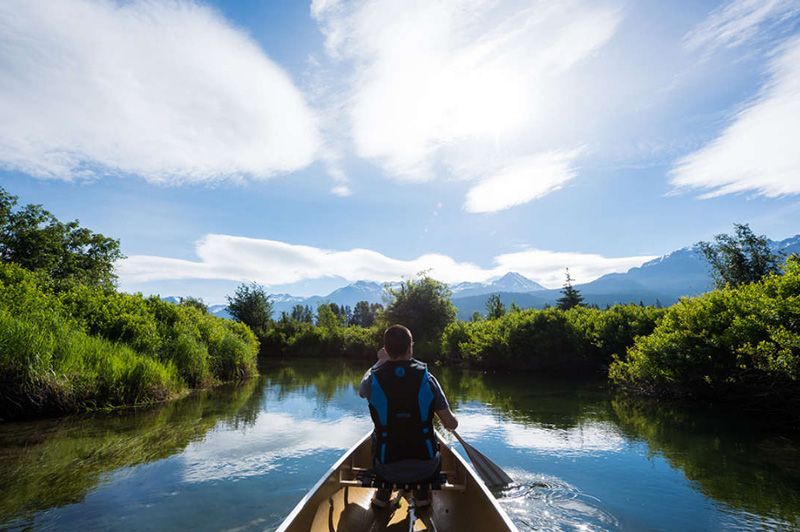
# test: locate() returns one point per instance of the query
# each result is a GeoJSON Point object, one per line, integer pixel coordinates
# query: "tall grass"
{"type": "Point", "coordinates": [78, 348]}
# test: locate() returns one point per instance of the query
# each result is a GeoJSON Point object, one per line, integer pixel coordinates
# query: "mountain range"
{"type": "Point", "coordinates": [663, 280]}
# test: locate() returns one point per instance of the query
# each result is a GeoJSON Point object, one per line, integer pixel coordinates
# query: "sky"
{"type": "Point", "coordinates": [304, 146]}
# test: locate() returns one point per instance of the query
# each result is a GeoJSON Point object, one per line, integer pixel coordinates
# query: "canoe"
{"type": "Point", "coordinates": [339, 503]}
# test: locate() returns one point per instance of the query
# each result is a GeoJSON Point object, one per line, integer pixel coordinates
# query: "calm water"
{"type": "Point", "coordinates": [240, 457]}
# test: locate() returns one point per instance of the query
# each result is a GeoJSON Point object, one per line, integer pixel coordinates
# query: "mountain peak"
{"type": "Point", "coordinates": [515, 282]}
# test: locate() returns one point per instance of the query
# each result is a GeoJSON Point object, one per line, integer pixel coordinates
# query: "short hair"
{"type": "Point", "coordinates": [397, 339]}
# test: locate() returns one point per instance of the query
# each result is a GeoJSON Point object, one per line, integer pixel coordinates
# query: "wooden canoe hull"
{"type": "Point", "coordinates": [337, 504]}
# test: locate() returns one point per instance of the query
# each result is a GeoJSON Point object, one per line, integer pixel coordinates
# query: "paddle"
{"type": "Point", "coordinates": [490, 472]}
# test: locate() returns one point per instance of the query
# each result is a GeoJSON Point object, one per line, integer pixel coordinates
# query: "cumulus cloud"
{"type": "Point", "coordinates": [270, 263]}
{"type": "Point", "coordinates": [521, 181]}
{"type": "Point", "coordinates": [165, 90]}
{"type": "Point", "coordinates": [758, 151]}
{"type": "Point", "coordinates": [737, 21]}
{"type": "Point", "coordinates": [440, 85]}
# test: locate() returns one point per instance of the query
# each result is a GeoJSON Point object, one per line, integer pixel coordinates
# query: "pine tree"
{"type": "Point", "coordinates": [571, 298]}
{"type": "Point", "coordinates": [494, 307]}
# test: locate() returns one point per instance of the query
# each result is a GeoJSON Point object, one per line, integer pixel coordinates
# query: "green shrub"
{"type": "Point", "coordinates": [67, 346]}
{"type": "Point", "coordinates": [576, 339]}
{"type": "Point", "coordinates": [732, 341]}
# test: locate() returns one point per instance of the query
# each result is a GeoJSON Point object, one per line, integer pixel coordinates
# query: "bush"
{"type": "Point", "coordinates": [737, 342]}
{"type": "Point", "coordinates": [70, 346]}
{"type": "Point", "coordinates": [577, 339]}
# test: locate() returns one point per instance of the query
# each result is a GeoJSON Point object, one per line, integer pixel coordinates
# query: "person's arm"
{"type": "Point", "coordinates": [448, 419]}
{"type": "Point", "coordinates": [441, 406]}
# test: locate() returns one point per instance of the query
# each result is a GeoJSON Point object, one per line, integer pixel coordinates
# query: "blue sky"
{"type": "Point", "coordinates": [306, 145]}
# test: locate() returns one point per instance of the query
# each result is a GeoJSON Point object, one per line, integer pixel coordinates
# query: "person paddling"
{"type": "Point", "coordinates": [403, 396]}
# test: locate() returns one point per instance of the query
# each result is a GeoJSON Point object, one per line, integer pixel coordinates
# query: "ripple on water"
{"type": "Point", "coordinates": [541, 502]}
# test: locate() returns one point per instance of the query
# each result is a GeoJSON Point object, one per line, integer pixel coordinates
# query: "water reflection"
{"type": "Point", "coordinates": [582, 458]}
{"type": "Point", "coordinates": [732, 459]}
{"type": "Point", "coordinates": [57, 462]}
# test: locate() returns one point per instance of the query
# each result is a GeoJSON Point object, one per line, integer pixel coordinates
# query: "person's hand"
{"type": "Point", "coordinates": [383, 356]}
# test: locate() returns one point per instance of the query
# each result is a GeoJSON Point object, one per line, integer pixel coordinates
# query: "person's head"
{"type": "Point", "coordinates": [397, 341]}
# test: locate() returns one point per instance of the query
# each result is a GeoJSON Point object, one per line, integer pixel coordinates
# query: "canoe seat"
{"type": "Point", "coordinates": [367, 478]}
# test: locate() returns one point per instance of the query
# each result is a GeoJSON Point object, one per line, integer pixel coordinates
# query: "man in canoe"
{"type": "Point", "coordinates": [403, 397]}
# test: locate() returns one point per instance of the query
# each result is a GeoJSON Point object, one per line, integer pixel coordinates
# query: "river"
{"type": "Point", "coordinates": [239, 457]}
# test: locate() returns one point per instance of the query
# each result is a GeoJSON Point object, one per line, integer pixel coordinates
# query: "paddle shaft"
{"type": "Point", "coordinates": [490, 472]}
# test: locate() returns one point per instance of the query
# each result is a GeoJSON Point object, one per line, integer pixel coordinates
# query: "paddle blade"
{"type": "Point", "coordinates": [490, 472]}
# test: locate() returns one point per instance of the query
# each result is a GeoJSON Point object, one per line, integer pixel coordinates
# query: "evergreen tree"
{"type": "Point", "coordinates": [302, 314]}
{"type": "Point", "coordinates": [476, 316]}
{"type": "Point", "coordinates": [251, 305]}
{"type": "Point", "coordinates": [494, 307]}
{"type": "Point", "coordinates": [571, 298]}
{"type": "Point", "coordinates": [364, 314]}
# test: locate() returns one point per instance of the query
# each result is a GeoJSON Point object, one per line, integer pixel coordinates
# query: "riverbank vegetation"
{"type": "Point", "coordinates": [735, 343]}
{"type": "Point", "coordinates": [66, 349]}
{"type": "Point", "coordinates": [69, 341]}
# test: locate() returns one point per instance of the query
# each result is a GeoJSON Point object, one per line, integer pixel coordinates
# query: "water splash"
{"type": "Point", "coordinates": [541, 502]}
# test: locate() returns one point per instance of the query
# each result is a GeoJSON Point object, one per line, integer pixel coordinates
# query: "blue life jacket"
{"type": "Point", "coordinates": [401, 406]}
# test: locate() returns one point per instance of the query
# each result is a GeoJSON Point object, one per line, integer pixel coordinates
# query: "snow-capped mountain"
{"type": "Point", "coordinates": [510, 282]}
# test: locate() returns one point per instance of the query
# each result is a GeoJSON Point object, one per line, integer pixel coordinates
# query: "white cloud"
{"type": "Point", "coordinates": [758, 151]}
{"type": "Point", "coordinates": [165, 90]}
{"type": "Point", "coordinates": [341, 191]}
{"type": "Point", "coordinates": [438, 85]}
{"type": "Point", "coordinates": [521, 181]}
{"type": "Point", "coordinates": [740, 20]}
{"type": "Point", "coordinates": [270, 263]}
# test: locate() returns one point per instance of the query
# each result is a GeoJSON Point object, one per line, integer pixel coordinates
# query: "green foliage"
{"type": "Point", "coordinates": [332, 339]}
{"type": "Point", "coordinates": [194, 302]}
{"type": "Point", "coordinates": [736, 343]}
{"type": "Point", "coordinates": [578, 339]}
{"type": "Point", "coordinates": [302, 313]}
{"type": "Point", "coordinates": [494, 307]}
{"type": "Point", "coordinates": [741, 259]}
{"type": "Point", "coordinates": [424, 307]}
{"type": "Point", "coordinates": [330, 317]}
{"type": "Point", "coordinates": [251, 305]}
{"type": "Point", "coordinates": [365, 314]}
{"type": "Point", "coordinates": [33, 238]}
{"type": "Point", "coordinates": [63, 350]}
{"type": "Point", "coordinates": [571, 297]}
